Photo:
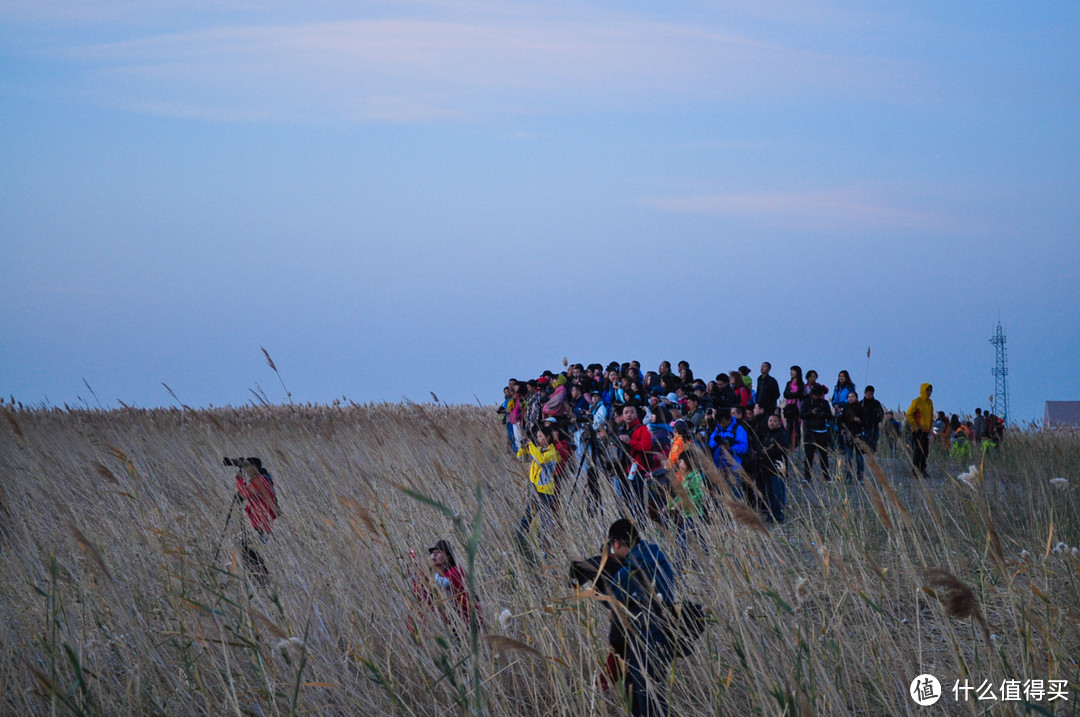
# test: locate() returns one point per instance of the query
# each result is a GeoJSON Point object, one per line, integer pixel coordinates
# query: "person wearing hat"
{"type": "Point", "coordinates": [645, 589]}
{"type": "Point", "coordinates": [450, 578]}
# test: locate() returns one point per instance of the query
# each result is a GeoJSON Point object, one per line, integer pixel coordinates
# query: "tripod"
{"type": "Point", "coordinates": [236, 500]}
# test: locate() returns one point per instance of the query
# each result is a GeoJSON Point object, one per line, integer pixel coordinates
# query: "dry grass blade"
{"type": "Point", "coordinates": [959, 599]}
{"type": "Point", "coordinates": [746, 515]}
{"type": "Point", "coordinates": [883, 481]}
{"type": "Point", "coordinates": [679, 490]}
{"type": "Point", "coordinates": [175, 397]}
{"type": "Point", "coordinates": [879, 504]}
{"type": "Point", "coordinates": [269, 361]}
{"type": "Point", "coordinates": [361, 513]}
{"type": "Point", "coordinates": [104, 472]}
{"type": "Point", "coordinates": [993, 541]}
{"type": "Point", "coordinates": [704, 463]}
{"type": "Point", "coordinates": [268, 624]}
{"type": "Point", "coordinates": [502, 642]}
{"type": "Point", "coordinates": [88, 548]}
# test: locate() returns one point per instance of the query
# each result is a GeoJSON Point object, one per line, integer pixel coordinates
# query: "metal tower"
{"type": "Point", "coordinates": [1001, 375]}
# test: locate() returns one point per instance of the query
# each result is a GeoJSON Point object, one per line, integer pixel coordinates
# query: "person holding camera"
{"type": "Point", "coordinates": [853, 431]}
{"type": "Point", "coordinates": [729, 443]}
{"type": "Point", "coordinates": [639, 442]}
{"type": "Point", "coordinates": [451, 580]}
{"type": "Point", "coordinates": [645, 589]}
{"type": "Point", "coordinates": [816, 415]}
{"type": "Point", "coordinates": [542, 501]}
{"type": "Point", "coordinates": [255, 490]}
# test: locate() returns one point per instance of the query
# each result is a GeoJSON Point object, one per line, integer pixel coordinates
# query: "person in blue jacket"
{"type": "Point", "coordinates": [729, 443]}
{"type": "Point", "coordinates": [645, 587]}
{"type": "Point", "coordinates": [840, 392]}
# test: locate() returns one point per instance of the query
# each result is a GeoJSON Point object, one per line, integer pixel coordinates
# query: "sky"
{"type": "Point", "coordinates": [394, 199]}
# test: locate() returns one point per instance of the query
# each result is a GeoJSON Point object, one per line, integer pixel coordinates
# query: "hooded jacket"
{"type": "Point", "coordinates": [541, 467]}
{"type": "Point", "coordinates": [921, 412]}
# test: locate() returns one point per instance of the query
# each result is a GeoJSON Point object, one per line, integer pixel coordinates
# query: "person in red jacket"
{"type": "Point", "coordinates": [451, 586]}
{"type": "Point", "coordinates": [638, 439]}
{"type": "Point", "coordinates": [255, 489]}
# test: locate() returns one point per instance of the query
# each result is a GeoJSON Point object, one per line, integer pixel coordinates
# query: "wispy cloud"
{"type": "Point", "coordinates": [821, 210]}
{"type": "Point", "coordinates": [464, 62]}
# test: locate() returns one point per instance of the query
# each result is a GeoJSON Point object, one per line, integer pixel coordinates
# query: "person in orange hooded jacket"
{"type": "Point", "coordinates": [920, 416]}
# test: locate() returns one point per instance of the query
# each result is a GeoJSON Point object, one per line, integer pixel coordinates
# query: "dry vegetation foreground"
{"type": "Point", "coordinates": [112, 603]}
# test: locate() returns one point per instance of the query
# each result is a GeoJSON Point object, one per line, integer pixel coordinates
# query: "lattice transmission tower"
{"type": "Point", "coordinates": [1001, 374]}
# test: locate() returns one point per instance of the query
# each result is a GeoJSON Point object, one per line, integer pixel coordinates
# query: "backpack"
{"type": "Point", "coordinates": [684, 624]}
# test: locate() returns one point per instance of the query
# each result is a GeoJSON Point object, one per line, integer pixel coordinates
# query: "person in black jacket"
{"type": "Point", "coordinates": [817, 440]}
{"type": "Point", "coordinates": [873, 414]}
{"type": "Point", "coordinates": [768, 390]}
{"type": "Point", "coordinates": [723, 395]}
{"type": "Point", "coordinates": [773, 465]}
{"type": "Point", "coordinates": [852, 422]}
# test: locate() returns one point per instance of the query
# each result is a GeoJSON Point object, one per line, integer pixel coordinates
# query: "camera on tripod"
{"type": "Point", "coordinates": [243, 462]}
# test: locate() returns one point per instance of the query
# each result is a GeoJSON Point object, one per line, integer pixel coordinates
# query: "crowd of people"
{"type": "Point", "coordinates": [629, 427]}
{"type": "Point", "coordinates": [672, 445]}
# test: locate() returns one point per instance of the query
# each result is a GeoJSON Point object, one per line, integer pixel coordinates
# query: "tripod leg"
{"type": "Point", "coordinates": [224, 530]}
{"type": "Point", "coordinates": [254, 563]}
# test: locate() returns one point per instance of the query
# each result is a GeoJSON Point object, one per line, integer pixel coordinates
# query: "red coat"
{"type": "Point", "coordinates": [261, 502]}
{"type": "Point", "coordinates": [641, 444]}
{"type": "Point", "coordinates": [458, 592]}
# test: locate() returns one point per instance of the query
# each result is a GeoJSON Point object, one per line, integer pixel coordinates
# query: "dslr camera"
{"type": "Point", "coordinates": [242, 462]}
{"type": "Point", "coordinates": [583, 572]}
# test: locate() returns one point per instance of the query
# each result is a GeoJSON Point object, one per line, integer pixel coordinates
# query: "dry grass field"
{"type": "Point", "coordinates": [113, 604]}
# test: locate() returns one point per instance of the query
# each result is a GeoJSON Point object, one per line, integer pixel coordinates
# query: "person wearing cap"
{"type": "Point", "coordinates": [645, 589]}
{"type": "Point", "coordinates": [451, 580]}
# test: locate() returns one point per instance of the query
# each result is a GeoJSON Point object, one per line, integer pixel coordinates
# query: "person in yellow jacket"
{"type": "Point", "coordinates": [542, 502]}
{"type": "Point", "coordinates": [920, 416]}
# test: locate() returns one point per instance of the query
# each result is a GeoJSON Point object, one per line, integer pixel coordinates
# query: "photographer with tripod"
{"type": "Point", "coordinates": [254, 489]}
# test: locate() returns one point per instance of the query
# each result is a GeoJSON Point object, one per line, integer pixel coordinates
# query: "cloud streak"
{"type": "Point", "coordinates": [813, 210]}
{"type": "Point", "coordinates": [474, 65]}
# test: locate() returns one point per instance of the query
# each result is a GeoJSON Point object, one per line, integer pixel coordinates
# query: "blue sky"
{"type": "Point", "coordinates": [409, 197]}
